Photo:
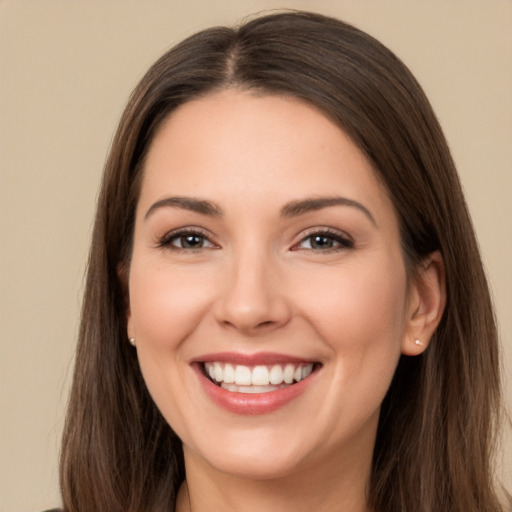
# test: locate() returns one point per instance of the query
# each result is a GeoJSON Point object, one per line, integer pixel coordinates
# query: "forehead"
{"type": "Point", "coordinates": [237, 144]}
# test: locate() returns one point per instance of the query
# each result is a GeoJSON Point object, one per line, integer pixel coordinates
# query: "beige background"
{"type": "Point", "coordinates": [66, 70]}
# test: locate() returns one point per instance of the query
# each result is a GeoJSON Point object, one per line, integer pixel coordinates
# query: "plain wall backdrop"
{"type": "Point", "coordinates": [66, 71]}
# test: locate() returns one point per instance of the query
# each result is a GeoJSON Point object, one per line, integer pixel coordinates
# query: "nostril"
{"type": "Point", "coordinates": [248, 326]}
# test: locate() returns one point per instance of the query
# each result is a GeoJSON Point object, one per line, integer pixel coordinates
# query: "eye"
{"type": "Point", "coordinates": [186, 240]}
{"type": "Point", "coordinates": [324, 241]}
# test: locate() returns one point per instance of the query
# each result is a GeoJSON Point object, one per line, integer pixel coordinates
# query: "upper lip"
{"type": "Point", "coordinates": [260, 358]}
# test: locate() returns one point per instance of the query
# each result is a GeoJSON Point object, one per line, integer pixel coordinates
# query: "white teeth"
{"type": "Point", "coordinates": [229, 374]}
{"type": "Point", "coordinates": [257, 377]}
{"type": "Point", "coordinates": [306, 370]}
{"type": "Point", "coordinates": [260, 376]}
{"type": "Point", "coordinates": [243, 376]}
{"type": "Point", "coordinates": [217, 370]}
{"type": "Point", "coordinates": [248, 389]}
{"type": "Point", "coordinates": [276, 375]}
{"type": "Point", "coordinates": [289, 370]}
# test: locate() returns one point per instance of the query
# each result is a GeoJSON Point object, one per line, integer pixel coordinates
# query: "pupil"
{"type": "Point", "coordinates": [191, 241]}
{"type": "Point", "coordinates": [322, 242]}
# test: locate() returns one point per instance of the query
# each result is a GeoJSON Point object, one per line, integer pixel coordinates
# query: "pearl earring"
{"type": "Point", "coordinates": [418, 342]}
{"type": "Point", "coordinates": [132, 341]}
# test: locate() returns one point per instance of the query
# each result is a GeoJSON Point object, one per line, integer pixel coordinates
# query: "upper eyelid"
{"type": "Point", "coordinates": [324, 230]}
{"type": "Point", "coordinates": [188, 229]}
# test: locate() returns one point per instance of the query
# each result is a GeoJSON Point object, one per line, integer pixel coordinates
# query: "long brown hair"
{"type": "Point", "coordinates": [437, 427]}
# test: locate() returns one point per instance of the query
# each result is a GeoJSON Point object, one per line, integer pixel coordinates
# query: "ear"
{"type": "Point", "coordinates": [427, 300]}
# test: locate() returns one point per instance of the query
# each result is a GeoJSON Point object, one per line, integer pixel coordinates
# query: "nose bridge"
{"type": "Point", "coordinates": [253, 298]}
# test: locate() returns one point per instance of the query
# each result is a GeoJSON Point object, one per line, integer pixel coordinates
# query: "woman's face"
{"type": "Point", "coordinates": [265, 252]}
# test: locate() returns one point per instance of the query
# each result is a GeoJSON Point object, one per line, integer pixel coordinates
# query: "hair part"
{"type": "Point", "coordinates": [438, 421]}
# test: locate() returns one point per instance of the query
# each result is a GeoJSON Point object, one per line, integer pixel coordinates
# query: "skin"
{"type": "Point", "coordinates": [258, 283]}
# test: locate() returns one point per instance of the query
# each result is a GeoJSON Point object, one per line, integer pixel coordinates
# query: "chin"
{"type": "Point", "coordinates": [252, 462]}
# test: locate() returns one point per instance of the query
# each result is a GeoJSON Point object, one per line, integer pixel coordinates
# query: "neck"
{"type": "Point", "coordinates": [329, 487]}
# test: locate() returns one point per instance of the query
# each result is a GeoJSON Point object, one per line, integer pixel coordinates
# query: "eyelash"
{"type": "Point", "coordinates": [343, 242]}
{"type": "Point", "coordinates": [169, 238]}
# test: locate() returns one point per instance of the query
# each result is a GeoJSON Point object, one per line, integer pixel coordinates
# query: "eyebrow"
{"type": "Point", "coordinates": [300, 207]}
{"type": "Point", "coordinates": [193, 204]}
{"type": "Point", "coordinates": [291, 209]}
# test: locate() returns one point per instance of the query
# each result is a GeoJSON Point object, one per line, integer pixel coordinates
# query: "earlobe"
{"type": "Point", "coordinates": [130, 328]}
{"type": "Point", "coordinates": [427, 300]}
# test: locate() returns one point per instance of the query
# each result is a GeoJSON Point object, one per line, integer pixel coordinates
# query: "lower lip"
{"type": "Point", "coordinates": [252, 404]}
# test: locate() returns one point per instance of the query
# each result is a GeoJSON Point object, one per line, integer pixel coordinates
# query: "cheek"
{"type": "Point", "coordinates": [353, 300]}
{"type": "Point", "coordinates": [362, 321]}
{"type": "Point", "coordinates": [165, 305]}
{"type": "Point", "coordinates": [359, 313]}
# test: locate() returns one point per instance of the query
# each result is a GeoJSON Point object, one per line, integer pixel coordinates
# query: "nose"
{"type": "Point", "coordinates": [253, 296]}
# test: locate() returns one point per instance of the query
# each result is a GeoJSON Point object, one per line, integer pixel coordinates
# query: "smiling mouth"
{"type": "Point", "coordinates": [256, 379]}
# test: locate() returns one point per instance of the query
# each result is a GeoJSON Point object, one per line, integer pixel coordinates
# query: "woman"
{"type": "Point", "coordinates": [285, 303]}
